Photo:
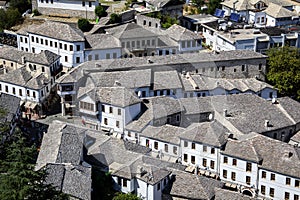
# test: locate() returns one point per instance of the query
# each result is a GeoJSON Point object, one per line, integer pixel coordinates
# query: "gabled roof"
{"type": "Point", "coordinates": [211, 133]}
{"type": "Point", "coordinates": [271, 154]}
{"type": "Point", "coordinates": [74, 180]}
{"type": "Point", "coordinates": [166, 80]}
{"type": "Point", "coordinates": [130, 30]}
{"type": "Point", "coordinates": [166, 133]}
{"type": "Point", "coordinates": [116, 96]}
{"type": "Point", "coordinates": [101, 41]}
{"type": "Point", "coordinates": [162, 3]}
{"type": "Point", "coordinates": [221, 194]}
{"type": "Point", "coordinates": [58, 30]}
{"type": "Point", "coordinates": [179, 33]}
{"type": "Point", "coordinates": [191, 186]}
{"type": "Point", "coordinates": [10, 104]}
{"type": "Point", "coordinates": [277, 11]}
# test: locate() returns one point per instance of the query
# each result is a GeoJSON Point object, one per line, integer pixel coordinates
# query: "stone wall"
{"type": "Point", "coordinates": [145, 21]}
{"type": "Point", "coordinates": [67, 12]}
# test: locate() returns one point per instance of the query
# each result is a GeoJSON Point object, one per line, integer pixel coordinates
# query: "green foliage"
{"type": "Point", "coordinates": [18, 180]}
{"type": "Point", "coordinates": [114, 18]}
{"type": "Point", "coordinates": [212, 6]}
{"type": "Point", "coordinates": [198, 3]}
{"type": "Point", "coordinates": [9, 18]}
{"type": "Point", "coordinates": [84, 24]}
{"type": "Point", "coordinates": [128, 196]}
{"type": "Point", "coordinates": [284, 70]}
{"type": "Point", "coordinates": [166, 20]}
{"type": "Point", "coordinates": [36, 12]}
{"type": "Point", "coordinates": [102, 185]}
{"type": "Point", "coordinates": [21, 5]}
{"type": "Point", "coordinates": [100, 11]}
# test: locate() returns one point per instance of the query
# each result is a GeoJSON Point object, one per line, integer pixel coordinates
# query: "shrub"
{"type": "Point", "coordinates": [84, 25]}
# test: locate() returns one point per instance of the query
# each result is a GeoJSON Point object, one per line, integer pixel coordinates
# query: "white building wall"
{"type": "Point", "coordinates": [99, 54]}
{"type": "Point", "coordinates": [125, 188]}
{"type": "Point", "coordinates": [112, 118]}
{"type": "Point", "coordinates": [279, 185]}
{"type": "Point", "coordinates": [131, 112]}
{"type": "Point", "coordinates": [66, 4]}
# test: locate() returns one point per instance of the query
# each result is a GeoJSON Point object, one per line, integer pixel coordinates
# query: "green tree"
{"type": "Point", "coordinates": [212, 6]}
{"type": "Point", "coordinates": [21, 5]}
{"type": "Point", "coordinates": [283, 70]}
{"type": "Point", "coordinates": [100, 11]}
{"type": "Point", "coordinates": [114, 18]}
{"type": "Point", "coordinates": [13, 17]}
{"type": "Point", "coordinates": [128, 196]}
{"type": "Point", "coordinates": [84, 25]}
{"type": "Point", "coordinates": [18, 180]}
{"type": "Point", "coordinates": [3, 20]}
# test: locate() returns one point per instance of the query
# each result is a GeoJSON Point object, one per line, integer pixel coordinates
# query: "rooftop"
{"type": "Point", "coordinates": [221, 194]}
{"type": "Point", "coordinates": [179, 33]}
{"type": "Point", "coordinates": [101, 41]}
{"type": "Point", "coordinates": [10, 104]}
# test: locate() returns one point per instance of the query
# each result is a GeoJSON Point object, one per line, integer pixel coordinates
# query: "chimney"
{"type": "Point", "coordinates": [23, 60]}
{"type": "Point", "coordinates": [267, 123]}
{"type": "Point", "coordinates": [225, 114]}
{"type": "Point", "coordinates": [287, 154]}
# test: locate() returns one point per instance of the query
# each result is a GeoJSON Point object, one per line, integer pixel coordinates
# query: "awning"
{"type": "Point", "coordinates": [30, 105]}
{"type": "Point", "coordinates": [190, 168]}
{"type": "Point", "coordinates": [233, 186]}
{"type": "Point", "coordinates": [263, 39]}
{"type": "Point", "coordinates": [291, 37]}
{"type": "Point", "coordinates": [227, 185]}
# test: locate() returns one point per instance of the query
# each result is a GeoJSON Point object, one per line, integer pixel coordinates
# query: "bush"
{"type": "Point", "coordinates": [114, 18]}
{"type": "Point", "coordinates": [100, 11]}
{"type": "Point", "coordinates": [84, 25]}
{"type": "Point", "coordinates": [36, 12]}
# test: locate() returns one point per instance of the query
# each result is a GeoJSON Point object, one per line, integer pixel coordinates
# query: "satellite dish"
{"type": "Point", "coordinates": [210, 116]}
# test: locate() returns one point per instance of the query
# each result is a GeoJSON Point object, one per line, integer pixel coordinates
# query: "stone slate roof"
{"type": "Point", "coordinates": [277, 11]}
{"type": "Point", "coordinates": [128, 79]}
{"type": "Point", "coordinates": [44, 57]}
{"type": "Point", "coordinates": [273, 31]}
{"type": "Point", "coordinates": [22, 77]}
{"type": "Point", "coordinates": [194, 106]}
{"type": "Point", "coordinates": [166, 133]}
{"type": "Point", "coordinates": [221, 194]}
{"type": "Point", "coordinates": [130, 146]}
{"type": "Point", "coordinates": [74, 180]}
{"type": "Point", "coordinates": [208, 83]}
{"type": "Point", "coordinates": [291, 106]}
{"type": "Point", "coordinates": [11, 105]}
{"type": "Point", "coordinates": [179, 33]}
{"type": "Point", "coordinates": [283, 158]}
{"type": "Point", "coordinates": [101, 41]}
{"type": "Point", "coordinates": [241, 109]}
{"type": "Point", "coordinates": [191, 186]}
{"type": "Point", "coordinates": [211, 133]}
{"type": "Point", "coordinates": [166, 80]}
{"type": "Point", "coordinates": [130, 30]}
{"type": "Point", "coordinates": [162, 3]}
{"type": "Point", "coordinates": [117, 96]}
{"type": "Point", "coordinates": [57, 30]}
{"type": "Point", "coordinates": [169, 60]}
{"type": "Point", "coordinates": [296, 137]}
{"type": "Point", "coordinates": [165, 41]}
{"type": "Point", "coordinates": [61, 144]}
{"type": "Point", "coordinates": [249, 4]}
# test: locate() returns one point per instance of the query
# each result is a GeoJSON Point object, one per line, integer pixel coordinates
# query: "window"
{"type": "Point", "coordinates": [175, 150]}
{"type": "Point", "coordinates": [133, 43]}
{"type": "Point", "coordinates": [165, 181]}
{"type": "Point", "coordinates": [117, 124]}
{"type": "Point", "coordinates": [296, 183]}
{"type": "Point", "coordinates": [83, 3]}
{"type": "Point", "coordinates": [263, 189]}
{"type": "Point", "coordinates": [128, 45]}
{"type": "Point", "coordinates": [153, 42]}
{"type": "Point", "coordinates": [158, 186]}
{"type": "Point", "coordinates": [97, 57]}
{"type": "Point", "coordinates": [6, 88]}
{"type": "Point", "coordinates": [77, 47]}
{"type": "Point", "coordinates": [271, 192]}
{"type": "Point", "coordinates": [32, 38]}
{"type": "Point", "coordinates": [46, 42]}
{"type": "Point", "coordinates": [288, 181]}
{"type": "Point", "coordinates": [193, 145]}
{"type": "Point", "coordinates": [77, 59]}
{"type": "Point", "coordinates": [204, 148]}
{"type": "Point", "coordinates": [42, 93]}
{"type": "Point", "coordinates": [43, 69]}
{"type": "Point", "coordinates": [33, 94]}
{"type": "Point", "coordinates": [263, 174]}
{"type": "Point", "coordinates": [105, 121]}
{"type": "Point", "coordinates": [212, 150]}
{"type": "Point", "coordinates": [107, 56]}
{"type": "Point", "coordinates": [224, 173]}
{"type": "Point", "coordinates": [243, 67]}
{"type": "Point", "coordinates": [71, 47]}
{"type": "Point", "coordinates": [129, 134]}
{"type": "Point", "coordinates": [193, 159]}
{"type": "Point", "coordinates": [204, 162]}
{"type": "Point", "coordinates": [90, 57]}
{"type": "Point", "coordinates": [11, 64]}
{"type": "Point", "coordinates": [212, 164]}
{"type": "Point", "coordinates": [166, 148]}
{"type": "Point", "coordinates": [25, 40]}
{"type": "Point", "coordinates": [110, 109]}
{"type": "Point", "coordinates": [28, 93]}
{"type": "Point", "coordinates": [90, 4]}
{"type": "Point", "coordinates": [21, 39]}
{"type": "Point", "coordinates": [272, 177]}
{"type": "Point", "coordinates": [185, 143]}
{"type": "Point", "coordinates": [156, 145]}
{"type": "Point", "coordinates": [296, 197]}
{"type": "Point", "coordinates": [114, 55]}
{"type": "Point", "coordinates": [233, 175]}
{"type": "Point", "coordinates": [149, 23]}
{"type": "Point", "coordinates": [119, 111]}
{"type": "Point", "coordinates": [55, 44]}
{"type": "Point", "coordinates": [14, 90]}
{"type": "Point", "coordinates": [37, 40]}
{"type": "Point", "coordinates": [42, 41]}
{"type": "Point", "coordinates": [260, 66]}
{"type": "Point", "coordinates": [248, 180]}
{"type": "Point", "coordinates": [249, 167]}
{"type": "Point", "coordinates": [185, 157]}
{"type": "Point", "coordinates": [86, 106]}
{"type": "Point", "coordinates": [286, 196]}
{"type": "Point", "coordinates": [124, 183]}
{"type": "Point", "coordinates": [103, 108]}
{"type": "Point", "coordinates": [148, 42]}
{"type": "Point", "coordinates": [183, 44]}
{"type": "Point", "coordinates": [225, 160]}
{"type": "Point", "coordinates": [33, 50]}
{"type": "Point", "coordinates": [66, 58]}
